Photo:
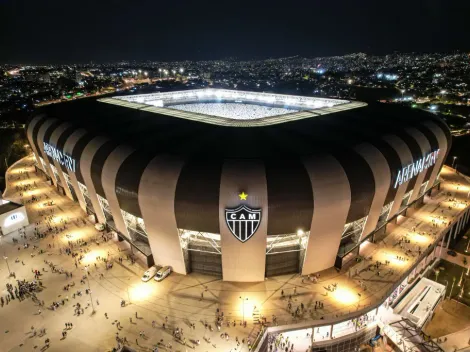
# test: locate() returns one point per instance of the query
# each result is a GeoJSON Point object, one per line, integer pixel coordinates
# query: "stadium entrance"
{"type": "Point", "coordinates": [202, 252]}
{"type": "Point", "coordinates": [285, 253]}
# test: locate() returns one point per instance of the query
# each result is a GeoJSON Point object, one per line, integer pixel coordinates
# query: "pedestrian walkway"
{"type": "Point", "coordinates": [82, 256]}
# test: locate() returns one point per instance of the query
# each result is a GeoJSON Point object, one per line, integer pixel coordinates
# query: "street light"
{"type": "Point", "coordinates": [6, 261]}
{"type": "Point", "coordinates": [453, 162]}
{"type": "Point", "coordinates": [89, 289]}
{"type": "Point", "coordinates": [452, 288]}
{"type": "Point", "coordinates": [4, 255]}
{"type": "Point", "coordinates": [243, 307]}
{"type": "Point", "coordinates": [181, 70]}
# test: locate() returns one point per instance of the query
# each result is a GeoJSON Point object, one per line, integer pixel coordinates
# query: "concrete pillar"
{"type": "Point", "coordinates": [242, 262]}
{"type": "Point", "coordinates": [332, 199]}
{"type": "Point", "coordinates": [450, 235]}
{"type": "Point", "coordinates": [157, 203]}
{"type": "Point", "coordinates": [460, 225]}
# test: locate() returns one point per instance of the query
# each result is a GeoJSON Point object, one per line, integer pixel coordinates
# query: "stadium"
{"type": "Point", "coordinates": [240, 185]}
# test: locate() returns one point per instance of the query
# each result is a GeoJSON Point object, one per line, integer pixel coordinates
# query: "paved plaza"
{"type": "Point", "coordinates": [190, 303]}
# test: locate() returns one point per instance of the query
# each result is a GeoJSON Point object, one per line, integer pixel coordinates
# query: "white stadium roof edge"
{"type": "Point", "coordinates": [302, 107]}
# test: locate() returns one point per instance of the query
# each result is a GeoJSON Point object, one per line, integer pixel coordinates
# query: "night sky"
{"type": "Point", "coordinates": [52, 31]}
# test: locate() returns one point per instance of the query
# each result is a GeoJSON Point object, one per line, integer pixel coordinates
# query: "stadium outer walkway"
{"type": "Point", "coordinates": [177, 300]}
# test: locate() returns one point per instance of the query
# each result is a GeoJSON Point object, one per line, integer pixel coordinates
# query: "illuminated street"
{"type": "Point", "coordinates": [176, 301]}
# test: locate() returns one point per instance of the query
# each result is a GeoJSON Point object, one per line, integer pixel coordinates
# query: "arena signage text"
{"type": "Point", "coordinates": [58, 155]}
{"type": "Point", "coordinates": [415, 168]}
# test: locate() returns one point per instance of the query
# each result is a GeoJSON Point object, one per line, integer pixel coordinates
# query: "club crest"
{"type": "Point", "coordinates": [243, 221]}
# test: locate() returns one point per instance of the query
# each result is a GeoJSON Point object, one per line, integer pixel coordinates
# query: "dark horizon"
{"type": "Point", "coordinates": [114, 30]}
{"type": "Point", "coordinates": [142, 62]}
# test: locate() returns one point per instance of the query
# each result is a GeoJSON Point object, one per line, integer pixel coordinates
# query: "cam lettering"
{"type": "Point", "coordinates": [415, 168]}
{"type": "Point", "coordinates": [243, 221]}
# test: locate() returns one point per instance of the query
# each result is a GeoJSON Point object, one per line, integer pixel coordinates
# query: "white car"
{"type": "Point", "coordinates": [163, 273]}
{"type": "Point", "coordinates": [150, 273]}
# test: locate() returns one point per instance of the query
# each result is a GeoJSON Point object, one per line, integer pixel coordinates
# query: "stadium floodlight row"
{"type": "Point", "coordinates": [164, 103]}
{"type": "Point", "coordinates": [240, 199]}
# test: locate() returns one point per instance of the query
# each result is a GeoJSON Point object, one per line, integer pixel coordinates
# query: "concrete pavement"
{"type": "Point", "coordinates": [176, 300]}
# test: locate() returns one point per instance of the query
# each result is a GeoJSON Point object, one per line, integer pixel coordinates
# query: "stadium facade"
{"type": "Point", "coordinates": [241, 185]}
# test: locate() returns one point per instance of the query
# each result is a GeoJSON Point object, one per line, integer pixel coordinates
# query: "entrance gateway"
{"type": "Point", "coordinates": [203, 253]}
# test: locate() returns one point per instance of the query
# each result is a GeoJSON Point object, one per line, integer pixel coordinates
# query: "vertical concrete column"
{"type": "Point", "coordinates": [382, 177]}
{"type": "Point", "coordinates": [425, 149]}
{"type": "Point", "coordinates": [460, 225]}
{"type": "Point", "coordinates": [406, 158]}
{"type": "Point", "coordinates": [29, 133]}
{"type": "Point", "coordinates": [68, 149]}
{"type": "Point", "coordinates": [243, 261]}
{"type": "Point", "coordinates": [442, 140]}
{"type": "Point", "coordinates": [450, 235]}
{"type": "Point", "coordinates": [331, 202]}
{"type": "Point", "coordinates": [53, 140]}
{"type": "Point", "coordinates": [108, 180]}
{"type": "Point", "coordinates": [85, 168]}
{"type": "Point", "coordinates": [41, 133]}
{"type": "Point", "coordinates": [157, 203]}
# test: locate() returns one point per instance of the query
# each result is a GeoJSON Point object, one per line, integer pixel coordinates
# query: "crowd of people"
{"type": "Point", "coordinates": [50, 224]}
{"type": "Point", "coordinates": [22, 289]}
{"type": "Point", "coordinates": [236, 111]}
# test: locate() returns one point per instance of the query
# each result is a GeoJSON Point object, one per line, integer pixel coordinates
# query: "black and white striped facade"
{"type": "Point", "coordinates": [323, 184]}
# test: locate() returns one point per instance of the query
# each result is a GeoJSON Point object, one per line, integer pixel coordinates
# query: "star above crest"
{"type": "Point", "coordinates": [243, 196]}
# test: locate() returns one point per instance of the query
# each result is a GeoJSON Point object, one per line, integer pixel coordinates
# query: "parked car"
{"type": "Point", "coordinates": [163, 273]}
{"type": "Point", "coordinates": [150, 273]}
{"type": "Point", "coordinates": [452, 253]}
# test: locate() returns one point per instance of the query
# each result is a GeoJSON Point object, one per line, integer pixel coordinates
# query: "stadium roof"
{"type": "Point", "coordinates": [9, 206]}
{"type": "Point", "coordinates": [303, 107]}
{"type": "Point", "coordinates": [156, 131]}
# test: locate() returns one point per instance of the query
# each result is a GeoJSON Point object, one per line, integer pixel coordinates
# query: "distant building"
{"type": "Point", "coordinates": [44, 77]}
{"type": "Point", "coordinates": [13, 216]}
{"type": "Point", "coordinates": [78, 77]}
